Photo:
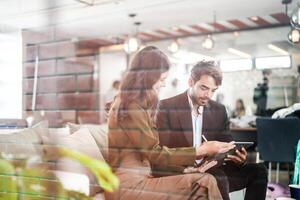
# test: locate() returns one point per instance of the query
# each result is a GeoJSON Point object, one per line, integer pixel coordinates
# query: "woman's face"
{"type": "Point", "coordinates": [160, 83]}
{"type": "Point", "coordinates": [238, 104]}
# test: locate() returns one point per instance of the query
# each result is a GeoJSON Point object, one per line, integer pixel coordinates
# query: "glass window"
{"type": "Point", "coordinates": [273, 62]}
{"type": "Point", "coordinates": [235, 65]}
{"type": "Point", "coordinates": [11, 74]}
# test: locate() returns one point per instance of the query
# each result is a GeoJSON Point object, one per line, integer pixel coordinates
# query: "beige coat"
{"type": "Point", "coordinates": [133, 152]}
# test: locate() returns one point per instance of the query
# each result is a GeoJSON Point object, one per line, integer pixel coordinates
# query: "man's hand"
{"type": "Point", "coordinates": [239, 158]}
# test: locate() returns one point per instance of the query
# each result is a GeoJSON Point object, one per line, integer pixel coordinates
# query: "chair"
{"type": "Point", "coordinates": [277, 140]}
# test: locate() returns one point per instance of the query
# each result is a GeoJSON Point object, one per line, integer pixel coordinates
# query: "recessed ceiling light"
{"type": "Point", "coordinates": [277, 49]}
{"type": "Point", "coordinates": [239, 53]}
{"type": "Point", "coordinates": [87, 2]}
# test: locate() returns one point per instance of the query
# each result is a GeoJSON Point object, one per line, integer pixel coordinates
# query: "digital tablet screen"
{"type": "Point", "coordinates": [246, 145]}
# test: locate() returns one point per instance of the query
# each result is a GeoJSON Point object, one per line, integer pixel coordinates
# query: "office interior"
{"type": "Point", "coordinates": [60, 58]}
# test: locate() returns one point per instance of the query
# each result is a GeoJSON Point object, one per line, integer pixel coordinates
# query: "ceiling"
{"type": "Point", "coordinates": [161, 20]}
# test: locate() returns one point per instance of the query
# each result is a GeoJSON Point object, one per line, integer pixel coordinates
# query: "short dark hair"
{"type": "Point", "coordinates": [209, 68]}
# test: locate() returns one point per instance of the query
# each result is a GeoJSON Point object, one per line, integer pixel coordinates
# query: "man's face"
{"type": "Point", "coordinates": [202, 90]}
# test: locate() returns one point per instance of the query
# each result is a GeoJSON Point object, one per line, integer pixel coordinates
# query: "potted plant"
{"type": "Point", "coordinates": [18, 181]}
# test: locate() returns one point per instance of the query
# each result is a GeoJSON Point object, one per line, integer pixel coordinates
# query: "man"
{"type": "Point", "coordinates": [184, 119]}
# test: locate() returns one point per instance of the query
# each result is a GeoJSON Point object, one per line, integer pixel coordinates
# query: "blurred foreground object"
{"type": "Point", "coordinates": [21, 182]}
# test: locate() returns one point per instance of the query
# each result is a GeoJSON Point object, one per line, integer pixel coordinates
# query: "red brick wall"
{"type": "Point", "coordinates": [67, 90]}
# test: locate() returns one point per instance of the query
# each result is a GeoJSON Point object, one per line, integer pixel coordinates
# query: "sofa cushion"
{"type": "Point", "coordinates": [10, 130]}
{"type": "Point", "coordinates": [82, 141]}
{"type": "Point", "coordinates": [98, 132]}
{"type": "Point", "coordinates": [23, 144]}
{"type": "Point", "coordinates": [59, 131]}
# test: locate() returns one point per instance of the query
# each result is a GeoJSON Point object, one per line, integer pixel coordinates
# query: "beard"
{"type": "Point", "coordinates": [200, 101]}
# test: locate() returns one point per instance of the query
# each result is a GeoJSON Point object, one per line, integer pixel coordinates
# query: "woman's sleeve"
{"type": "Point", "coordinates": [145, 139]}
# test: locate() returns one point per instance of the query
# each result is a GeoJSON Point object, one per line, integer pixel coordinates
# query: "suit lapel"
{"type": "Point", "coordinates": [207, 119]}
{"type": "Point", "coordinates": [186, 123]}
{"type": "Point", "coordinates": [185, 118]}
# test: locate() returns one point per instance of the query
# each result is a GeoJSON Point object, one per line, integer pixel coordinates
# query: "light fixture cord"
{"type": "Point", "coordinates": [132, 16]}
{"type": "Point", "coordinates": [215, 17]}
{"type": "Point", "coordinates": [137, 24]}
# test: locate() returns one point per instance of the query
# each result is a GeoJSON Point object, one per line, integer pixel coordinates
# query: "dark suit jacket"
{"type": "Point", "coordinates": [174, 122]}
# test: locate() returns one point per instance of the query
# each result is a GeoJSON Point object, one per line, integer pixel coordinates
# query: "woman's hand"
{"type": "Point", "coordinates": [207, 165]}
{"type": "Point", "coordinates": [211, 148]}
{"type": "Point", "coordinates": [203, 168]}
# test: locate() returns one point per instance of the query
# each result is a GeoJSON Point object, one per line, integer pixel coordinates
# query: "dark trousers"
{"type": "Point", "coordinates": [252, 176]}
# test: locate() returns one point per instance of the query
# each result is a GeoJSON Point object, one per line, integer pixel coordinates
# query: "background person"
{"type": "Point", "coordinates": [112, 92]}
{"type": "Point", "coordinates": [239, 110]}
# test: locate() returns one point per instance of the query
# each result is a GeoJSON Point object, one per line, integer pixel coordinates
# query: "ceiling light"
{"type": "Point", "coordinates": [273, 62]}
{"type": "Point", "coordinates": [295, 18]}
{"type": "Point", "coordinates": [132, 43]}
{"type": "Point", "coordinates": [174, 46]}
{"type": "Point", "coordinates": [236, 33]}
{"type": "Point", "coordinates": [254, 18]}
{"type": "Point", "coordinates": [189, 57]}
{"type": "Point", "coordinates": [208, 43]}
{"type": "Point", "coordinates": [277, 49]}
{"type": "Point", "coordinates": [86, 2]}
{"type": "Point", "coordinates": [294, 36]}
{"type": "Point", "coordinates": [239, 53]}
{"type": "Point", "coordinates": [236, 65]}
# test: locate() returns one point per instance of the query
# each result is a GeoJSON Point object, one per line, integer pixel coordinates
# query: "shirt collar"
{"type": "Point", "coordinates": [193, 106]}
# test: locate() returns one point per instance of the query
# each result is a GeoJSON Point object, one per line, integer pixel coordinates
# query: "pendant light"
{"type": "Point", "coordinates": [132, 43]}
{"type": "Point", "coordinates": [174, 46]}
{"type": "Point", "coordinates": [208, 43]}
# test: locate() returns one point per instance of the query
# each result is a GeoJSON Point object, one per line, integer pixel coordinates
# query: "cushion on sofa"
{"type": "Point", "coordinates": [25, 143]}
{"type": "Point", "coordinates": [59, 131]}
{"type": "Point", "coordinates": [10, 130]}
{"type": "Point", "coordinates": [98, 132]}
{"type": "Point", "coordinates": [82, 141]}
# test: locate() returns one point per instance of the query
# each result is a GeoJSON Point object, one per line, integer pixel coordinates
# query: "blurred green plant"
{"type": "Point", "coordinates": [18, 182]}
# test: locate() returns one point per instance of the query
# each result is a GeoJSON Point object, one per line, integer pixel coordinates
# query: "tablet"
{"type": "Point", "coordinates": [221, 156]}
{"type": "Point", "coordinates": [246, 145]}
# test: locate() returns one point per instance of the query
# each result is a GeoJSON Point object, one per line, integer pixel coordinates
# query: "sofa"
{"type": "Point", "coordinates": [18, 145]}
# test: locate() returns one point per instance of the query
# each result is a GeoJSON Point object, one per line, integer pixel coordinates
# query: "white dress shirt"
{"type": "Point", "coordinates": [197, 120]}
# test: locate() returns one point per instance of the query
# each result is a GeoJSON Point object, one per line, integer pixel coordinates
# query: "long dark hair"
{"type": "Point", "coordinates": [242, 108]}
{"type": "Point", "coordinates": [145, 70]}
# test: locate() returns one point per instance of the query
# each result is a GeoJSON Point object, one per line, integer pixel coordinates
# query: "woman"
{"type": "Point", "coordinates": [239, 110]}
{"type": "Point", "coordinates": [134, 145]}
